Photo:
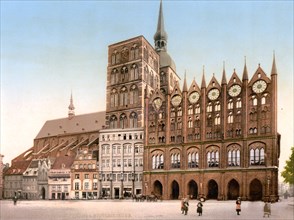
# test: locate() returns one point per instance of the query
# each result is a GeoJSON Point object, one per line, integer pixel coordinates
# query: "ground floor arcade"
{"type": "Point", "coordinates": [251, 185]}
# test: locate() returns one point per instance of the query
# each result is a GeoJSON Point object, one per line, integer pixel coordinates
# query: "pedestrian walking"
{"type": "Point", "coordinates": [199, 208]}
{"type": "Point", "coordinates": [267, 209]}
{"type": "Point", "coordinates": [238, 206]}
{"type": "Point", "coordinates": [14, 200]}
{"type": "Point", "coordinates": [186, 206]}
{"type": "Point", "coordinates": [182, 205]}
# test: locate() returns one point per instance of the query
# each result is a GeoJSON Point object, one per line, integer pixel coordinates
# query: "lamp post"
{"type": "Point", "coordinates": [100, 186]}
{"type": "Point", "coordinates": [121, 185]}
{"type": "Point", "coordinates": [133, 183]}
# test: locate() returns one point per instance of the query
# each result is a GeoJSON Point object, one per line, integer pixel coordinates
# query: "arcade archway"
{"type": "Point", "coordinates": [193, 189]}
{"type": "Point", "coordinates": [255, 190]}
{"type": "Point", "coordinates": [175, 190]}
{"type": "Point", "coordinates": [157, 186]}
{"type": "Point", "coordinates": [233, 190]}
{"type": "Point", "coordinates": [212, 190]}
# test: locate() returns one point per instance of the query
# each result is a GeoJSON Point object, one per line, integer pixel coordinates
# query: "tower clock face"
{"type": "Point", "coordinates": [213, 94]}
{"type": "Point", "coordinates": [259, 86]}
{"type": "Point", "coordinates": [194, 97]}
{"type": "Point", "coordinates": [157, 103]}
{"type": "Point", "coordinates": [234, 90]}
{"type": "Point", "coordinates": [176, 100]}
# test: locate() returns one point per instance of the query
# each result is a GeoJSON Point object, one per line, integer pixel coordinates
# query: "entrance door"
{"type": "Point", "coordinates": [233, 190]}
{"type": "Point", "coordinates": [193, 189]}
{"type": "Point", "coordinates": [175, 190]}
{"type": "Point", "coordinates": [43, 193]}
{"type": "Point", "coordinates": [255, 191]}
{"type": "Point", "coordinates": [212, 190]}
{"type": "Point", "coordinates": [116, 193]}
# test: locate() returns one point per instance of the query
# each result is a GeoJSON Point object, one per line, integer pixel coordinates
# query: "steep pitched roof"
{"type": "Point", "coordinates": [76, 124]}
{"type": "Point", "coordinates": [18, 167]}
{"type": "Point", "coordinates": [63, 162]}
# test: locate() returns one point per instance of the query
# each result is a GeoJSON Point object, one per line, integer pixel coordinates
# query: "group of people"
{"type": "Point", "coordinates": [199, 210]}
{"type": "Point", "coordinates": [185, 207]}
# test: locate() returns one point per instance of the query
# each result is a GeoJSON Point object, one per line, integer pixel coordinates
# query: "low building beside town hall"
{"type": "Point", "coordinates": [157, 136]}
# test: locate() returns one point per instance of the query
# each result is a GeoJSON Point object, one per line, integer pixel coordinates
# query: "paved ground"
{"type": "Point", "coordinates": [120, 210]}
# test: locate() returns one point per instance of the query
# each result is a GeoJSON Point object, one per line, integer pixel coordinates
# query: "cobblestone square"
{"type": "Point", "coordinates": [128, 209]}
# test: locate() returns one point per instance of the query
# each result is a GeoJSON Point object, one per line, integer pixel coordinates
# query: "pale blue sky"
{"type": "Point", "coordinates": [49, 48]}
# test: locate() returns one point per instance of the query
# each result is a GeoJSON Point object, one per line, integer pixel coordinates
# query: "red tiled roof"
{"type": "Point", "coordinates": [66, 160]}
{"type": "Point", "coordinates": [18, 167]}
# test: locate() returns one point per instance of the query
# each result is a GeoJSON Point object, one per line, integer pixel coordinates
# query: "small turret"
{"type": "Point", "coordinates": [245, 72]}
{"type": "Point", "coordinates": [224, 78]}
{"type": "Point", "coordinates": [203, 83]}
{"type": "Point", "coordinates": [71, 108]}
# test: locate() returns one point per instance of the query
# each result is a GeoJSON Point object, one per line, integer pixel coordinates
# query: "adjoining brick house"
{"type": "Point", "coordinates": [13, 179]}
{"type": "Point", "coordinates": [84, 174]}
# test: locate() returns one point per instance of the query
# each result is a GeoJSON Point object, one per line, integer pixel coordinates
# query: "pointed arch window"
{"type": "Point", "coordinates": [217, 119]}
{"type": "Point", "coordinates": [123, 121]}
{"type": "Point", "coordinates": [230, 104]}
{"type": "Point", "coordinates": [113, 122]}
{"type": "Point", "coordinates": [190, 123]}
{"type": "Point", "coordinates": [213, 158]}
{"type": "Point", "coordinates": [190, 110]}
{"type": "Point", "coordinates": [124, 74]}
{"type": "Point", "coordinates": [114, 76]}
{"type": "Point", "coordinates": [162, 77]}
{"type": "Point", "coordinates": [239, 103]}
{"type": "Point", "coordinates": [234, 157]}
{"type": "Point", "coordinates": [197, 121]}
{"type": "Point", "coordinates": [134, 72]}
{"type": "Point", "coordinates": [135, 52]}
{"type": "Point", "coordinates": [209, 121]}
{"type": "Point", "coordinates": [123, 96]}
{"type": "Point", "coordinates": [134, 95]}
{"type": "Point", "coordinates": [230, 118]}
{"type": "Point", "coordinates": [146, 74]}
{"type": "Point", "coordinates": [179, 111]}
{"type": "Point", "coordinates": [151, 82]}
{"type": "Point", "coordinates": [257, 156]}
{"type": "Point", "coordinates": [114, 98]}
{"type": "Point", "coordinates": [254, 100]}
{"type": "Point", "coordinates": [217, 106]}
{"type": "Point", "coordinates": [173, 113]}
{"type": "Point", "coordinates": [133, 120]}
{"type": "Point", "coordinates": [193, 159]}
{"type": "Point", "coordinates": [264, 99]}
{"type": "Point", "coordinates": [158, 161]}
{"type": "Point", "coordinates": [209, 107]}
{"type": "Point", "coordinates": [197, 109]}
{"type": "Point", "coordinates": [117, 57]}
{"type": "Point", "coordinates": [175, 160]}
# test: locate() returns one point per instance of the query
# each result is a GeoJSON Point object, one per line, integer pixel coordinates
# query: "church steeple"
{"type": "Point", "coordinates": [160, 37]}
{"type": "Point", "coordinates": [71, 108]}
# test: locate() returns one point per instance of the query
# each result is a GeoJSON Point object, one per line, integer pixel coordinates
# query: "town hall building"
{"type": "Point", "coordinates": [202, 139]}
